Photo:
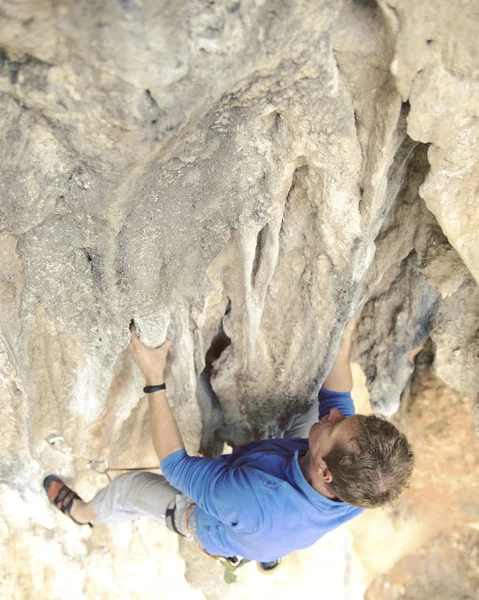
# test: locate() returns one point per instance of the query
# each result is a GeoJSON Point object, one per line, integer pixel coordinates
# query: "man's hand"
{"type": "Point", "coordinates": [150, 361]}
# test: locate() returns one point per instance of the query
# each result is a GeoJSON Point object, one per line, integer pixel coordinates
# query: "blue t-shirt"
{"type": "Point", "coordinates": [256, 502]}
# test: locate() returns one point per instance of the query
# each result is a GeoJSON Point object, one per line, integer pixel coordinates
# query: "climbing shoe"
{"type": "Point", "coordinates": [61, 496]}
{"type": "Point", "coordinates": [268, 567]}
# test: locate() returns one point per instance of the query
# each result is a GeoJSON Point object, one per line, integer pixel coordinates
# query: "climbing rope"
{"type": "Point", "coordinates": [58, 442]}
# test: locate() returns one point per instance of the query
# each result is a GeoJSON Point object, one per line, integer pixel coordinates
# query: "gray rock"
{"type": "Point", "coordinates": [240, 177]}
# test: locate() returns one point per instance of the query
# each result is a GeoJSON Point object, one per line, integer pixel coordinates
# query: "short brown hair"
{"type": "Point", "coordinates": [378, 470]}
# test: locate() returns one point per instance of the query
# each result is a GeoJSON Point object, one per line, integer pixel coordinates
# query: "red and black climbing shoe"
{"type": "Point", "coordinates": [61, 496]}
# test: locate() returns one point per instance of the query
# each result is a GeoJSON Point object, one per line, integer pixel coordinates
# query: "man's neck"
{"type": "Point", "coordinates": [318, 484]}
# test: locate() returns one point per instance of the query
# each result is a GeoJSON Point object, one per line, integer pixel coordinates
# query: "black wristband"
{"type": "Point", "coordinates": [149, 389]}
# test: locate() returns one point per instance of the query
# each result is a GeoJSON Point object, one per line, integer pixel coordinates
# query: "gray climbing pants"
{"type": "Point", "coordinates": [144, 494]}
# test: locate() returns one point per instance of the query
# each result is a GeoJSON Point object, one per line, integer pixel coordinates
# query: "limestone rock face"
{"type": "Point", "coordinates": [240, 177]}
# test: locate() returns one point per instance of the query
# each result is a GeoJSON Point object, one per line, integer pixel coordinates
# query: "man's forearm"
{"type": "Point", "coordinates": [339, 378]}
{"type": "Point", "coordinates": [152, 361]}
{"type": "Point", "coordinates": [165, 433]}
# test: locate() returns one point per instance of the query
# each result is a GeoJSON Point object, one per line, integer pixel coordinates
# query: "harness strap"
{"type": "Point", "coordinates": [170, 520]}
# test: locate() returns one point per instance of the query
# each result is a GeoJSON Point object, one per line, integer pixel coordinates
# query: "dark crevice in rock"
{"type": "Point", "coordinates": [152, 110]}
{"type": "Point", "coordinates": [260, 246]}
{"type": "Point", "coordinates": [127, 4]}
{"type": "Point", "coordinates": [237, 433]}
{"type": "Point", "coordinates": [88, 254]}
{"type": "Point", "coordinates": [424, 360]}
{"type": "Point", "coordinates": [405, 307]}
{"type": "Point", "coordinates": [406, 147]}
{"type": "Point", "coordinates": [277, 121]}
{"type": "Point", "coordinates": [393, 10]}
{"type": "Point", "coordinates": [367, 3]}
{"type": "Point", "coordinates": [94, 263]}
{"type": "Point", "coordinates": [403, 299]}
{"type": "Point", "coordinates": [356, 120]}
{"type": "Point", "coordinates": [151, 100]}
{"type": "Point", "coordinates": [423, 367]}
{"type": "Point", "coordinates": [298, 182]}
{"type": "Point", "coordinates": [15, 65]}
{"type": "Point", "coordinates": [274, 120]}
{"type": "Point", "coordinates": [234, 7]}
{"type": "Point", "coordinates": [397, 169]}
{"type": "Point", "coordinates": [20, 103]}
{"type": "Point", "coordinates": [407, 199]}
{"type": "Point", "coordinates": [14, 70]}
{"type": "Point", "coordinates": [211, 440]}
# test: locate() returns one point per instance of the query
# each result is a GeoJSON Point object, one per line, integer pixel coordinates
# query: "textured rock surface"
{"type": "Point", "coordinates": [240, 176]}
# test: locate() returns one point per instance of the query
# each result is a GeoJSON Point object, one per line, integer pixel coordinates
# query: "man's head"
{"type": "Point", "coordinates": [362, 460]}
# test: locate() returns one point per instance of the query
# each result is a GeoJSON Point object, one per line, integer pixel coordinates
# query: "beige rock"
{"type": "Point", "coordinates": [239, 177]}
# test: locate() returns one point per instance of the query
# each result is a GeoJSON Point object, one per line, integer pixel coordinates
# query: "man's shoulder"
{"type": "Point", "coordinates": [281, 447]}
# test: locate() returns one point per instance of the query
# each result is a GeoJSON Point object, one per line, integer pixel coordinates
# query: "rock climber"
{"type": "Point", "coordinates": [269, 497]}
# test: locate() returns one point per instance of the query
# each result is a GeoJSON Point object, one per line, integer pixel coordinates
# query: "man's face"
{"type": "Point", "coordinates": [331, 430]}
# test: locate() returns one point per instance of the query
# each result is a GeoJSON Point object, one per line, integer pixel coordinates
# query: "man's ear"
{"type": "Point", "coordinates": [324, 473]}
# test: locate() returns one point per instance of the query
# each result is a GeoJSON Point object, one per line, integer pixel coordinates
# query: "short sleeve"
{"type": "Point", "coordinates": [340, 400]}
{"type": "Point", "coordinates": [224, 491]}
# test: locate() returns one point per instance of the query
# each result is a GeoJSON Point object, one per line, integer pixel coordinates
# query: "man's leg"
{"type": "Point", "coordinates": [128, 497]}
{"type": "Point", "coordinates": [301, 424]}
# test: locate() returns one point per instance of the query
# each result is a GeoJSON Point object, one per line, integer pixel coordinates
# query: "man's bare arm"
{"type": "Point", "coordinates": [339, 378]}
{"type": "Point", "coordinates": [165, 433]}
